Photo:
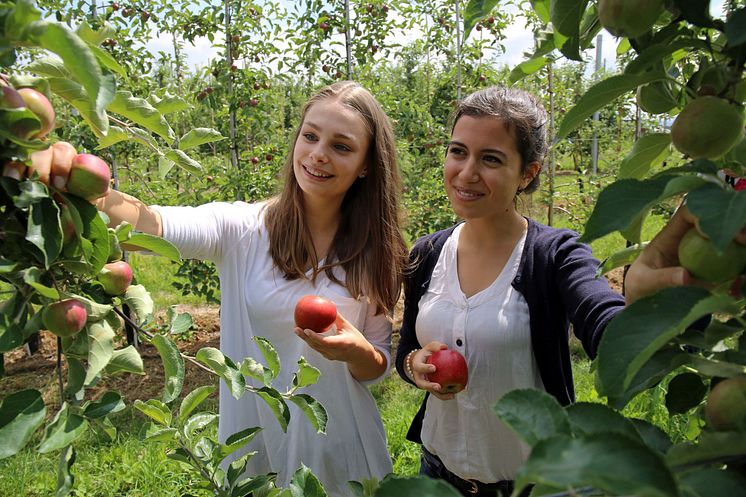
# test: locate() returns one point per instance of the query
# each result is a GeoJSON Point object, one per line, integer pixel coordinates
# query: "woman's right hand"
{"type": "Point", "coordinates": [420, 370]}
{"type": "Point", "coordinates": [53, 164]}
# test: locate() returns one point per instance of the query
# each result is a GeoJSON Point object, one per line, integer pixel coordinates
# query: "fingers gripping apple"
{"type": "Point", "coordinates": [451, 371]}
{"type": "Point", "coordinates": [315, 313]}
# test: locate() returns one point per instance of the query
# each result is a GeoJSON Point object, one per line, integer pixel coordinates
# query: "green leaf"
{"type": "Point", "coordinates": [621, 203]}
{"type": "Point", "coordinates": [139, 301]}
{"type": "Point", "coordinates": [126, 360]}
{"type": "Point", "coordinates": [684, 392]}
{"type": "Point", "coordinates": [100, 349]}
{"type": "Point", "coordinates": [533, 414]}
{"type": "Point", "coordinates": [652, 56]}
{"type": "Point", "coordinates": [610, 462]}
{"type": "Point", "coordinates": [105, 59]}
{"type": "Point", "coordinates": [270, 355]}
{"type": "Point", "coordinates": [735, 27]}
{"type": "Point", "coordinates": [276, 404]}
{"type": "Point", "coordinates": [173, 366]}
{"type": "Point", "coordinates": [31, 277]}
{"type": "Point", "coordinates": [164, 166]}
{"type": "Point", "coordinates": [711, 482]}
{"type": "Point", "coordinates": [587, 419]}
{"type": "Point", "coordinates": [182, 160]}
{"type": "Point", "coordinates": [236, 441]}
{"type": "Point", "coordinates": [95, 37]}
{"type": "Point", "coordinates": [251, 486]}
{"type": "Point", "coordinates": [75, 378]}
{"type": "Point", "coordinates": [601, 94]}
{"type": "Point", "coordinates": [313, 410]}
{"type": "Point", "coordinates": [139, 111]}
{"type": "Point", "coordinates": [168, 103]}
{"type": "Point", "coordinates": [84, 214]}
{"type": "Point", "coordinates": [198, 422]}
{"type": "Point", "coordinates": [224, 367]}
{"type": "Point", "coordinates": [79, 60]}
{"type": "Point", "coordinates": [199, 136]}
{"type": "Point", "coordinates": [155, 410]}
{"type": "Point", "coordinates": [52, 67]}
{"type": "Point", "coordinates": [621, 258]}
{"type": "Point", "coordinates": [192, 400]}
{"type": "Point", "coordinates": [155, 244]}
{"type": "Point", "coordinates": [475, 11]}
{"type": "Point", "coordinates": [238, 468]}
{"type": "Point", "coordinates": [63, 430]}
{"type": "Point", "coordinates": [76, 95]}
{"type": "Point", "coordinates": [305, 484]}
{"type": "Point", "coordinates": [44, 230]}
{"type": "Point", "coordinates": [21, 413]}
{"type": "Point", "coordinates": [23, 13]}
{"type": "Point", "coordinates": [94, 310]}
{"type": "Point", "coordinates": [644, 327]}
{"type": "Point", "coordinates": [306, 375]}
{"type": "Point", "coordinates": [109, 403]}
{"type": "Point", "coordinates": [161, 434]}
{"type": "Point", "coordinates": [114, 136]}
{"type": "Point", "coordinates": [527, 68]}
{"type": "Point", "coordinates": [712, 446]}
{"type": "Point", "coordinates": [421, 486]}
{"type": "Point", "coordinates": [65, 479]}
{"type": "Point", "coordinates": [654, 437]}
{"type": "Point", "coordinates": [180, 323]}
{"type": "Point", "coordinates": [647, 151]}
{"type": "Point", "coordinates": [254, 369]}
{"type": "Point", "coordinates": [721, 212]}
{"type": "Point", "coordinates": [566, 16]}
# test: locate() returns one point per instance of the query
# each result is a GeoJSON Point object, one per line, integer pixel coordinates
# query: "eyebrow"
{"type": "Point", "coordinates": [486, 150]}
{"type": "Point", "coordinates": [336, 135]}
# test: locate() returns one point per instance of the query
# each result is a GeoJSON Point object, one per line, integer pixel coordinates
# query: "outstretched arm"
{"type": "Point", "coordinates": [53, 166]}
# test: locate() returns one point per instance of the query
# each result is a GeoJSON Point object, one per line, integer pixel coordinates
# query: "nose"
{"type": "Point", "coordinates": [318, 153]}
{"type": "Point", "coordinates": [469, 172]}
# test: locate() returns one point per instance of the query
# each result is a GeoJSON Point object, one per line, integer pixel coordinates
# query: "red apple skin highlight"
{"type": "Point", "coordinates": [39, 104]}
{"type": "Point", "coordinates": [64, 318]}
{"type": "Point", "coordinates": [315, 313]}
{"type": "Point", "coordinates": [116, 277]}
{"type": "Point", "coordinates": [89, 177]}
{"type": "Point", "coordinates": [451, 371]}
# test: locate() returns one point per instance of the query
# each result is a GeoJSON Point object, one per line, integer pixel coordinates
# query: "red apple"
{"type": "Point", "coordinates": [64, 318]}
{"type": "Point", "coordinates": [451, 372]}
{"type": "Point", "coordinates": [89, 177]}
{"type": "Point", "coordinates": [37, 103]}
{"type": "Point", "coordinates": [10, 98]}
{"type": "Point", "coordinates": [315, 313]}
{"type": "Point", "coordinates": [115, 277]}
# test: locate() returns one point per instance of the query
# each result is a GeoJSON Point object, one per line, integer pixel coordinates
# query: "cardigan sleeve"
{"type": "Point", "coordinates": [589, 301]}
{"type": "Point", "coordinates": [413, 281]}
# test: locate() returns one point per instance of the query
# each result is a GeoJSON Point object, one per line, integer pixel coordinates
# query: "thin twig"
{"type": "Point", "coordinates": [151, 335]}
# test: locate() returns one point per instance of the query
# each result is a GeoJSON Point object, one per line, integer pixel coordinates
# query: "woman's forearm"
{"type": "Point", "coordinates": [369, 364]}
{"type": "Point", "coordinates": [122, 207]}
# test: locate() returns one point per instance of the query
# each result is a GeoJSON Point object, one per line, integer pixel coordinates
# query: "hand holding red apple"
{"type": "Point", "coordinates": [315, 313]}
{"type": "Point", "coordinates": [441, 371]}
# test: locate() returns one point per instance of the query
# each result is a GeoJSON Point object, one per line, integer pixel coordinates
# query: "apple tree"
{"type": "Point", "coordinates": [685, 62]}
{"type": "Point", "coordinates": [61, 267]}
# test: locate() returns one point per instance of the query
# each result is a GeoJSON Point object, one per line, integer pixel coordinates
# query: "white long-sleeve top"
{"type": "Point", "coordinates": [257, 301]}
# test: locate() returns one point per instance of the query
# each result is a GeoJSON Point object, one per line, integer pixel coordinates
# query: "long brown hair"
{"type": "Point", "coordinates": [368, 244]}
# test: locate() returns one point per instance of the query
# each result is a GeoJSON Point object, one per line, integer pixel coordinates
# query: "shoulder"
{"type": "Point", "coordinates": [431, 243]}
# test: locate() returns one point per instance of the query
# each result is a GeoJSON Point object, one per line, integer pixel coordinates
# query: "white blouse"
{"type": "Point", "coordinates": [491, 330]}
{"type": "Point", "coordinates": [258, 301]}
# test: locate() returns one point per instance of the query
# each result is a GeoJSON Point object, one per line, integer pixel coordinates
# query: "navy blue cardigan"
{"type": "Point", "coordinates": [556, 276]}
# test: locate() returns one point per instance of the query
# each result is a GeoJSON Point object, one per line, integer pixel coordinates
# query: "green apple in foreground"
{"type": "Point", "coordinates": [726, 405]}
{"type": "Point", "coordinates": [698, 255]}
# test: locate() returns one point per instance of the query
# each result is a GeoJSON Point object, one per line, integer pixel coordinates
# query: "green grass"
{"type": "Point", "coordinates": [156, 274]}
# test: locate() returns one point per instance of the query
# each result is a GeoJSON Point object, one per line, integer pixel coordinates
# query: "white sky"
{"type": "Point", "coordinates": [518, 39]}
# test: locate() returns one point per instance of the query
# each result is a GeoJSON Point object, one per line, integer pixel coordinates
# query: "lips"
{"type": "Point", "coordinates": [316, 173]}
{"type": "Point", "coordinates": [467, 194]}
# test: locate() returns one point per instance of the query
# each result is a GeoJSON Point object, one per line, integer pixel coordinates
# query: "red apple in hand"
{"type": "Point", "coordinates": [451, 372]}
{"type": "Point", "coordinates": [315, 313]}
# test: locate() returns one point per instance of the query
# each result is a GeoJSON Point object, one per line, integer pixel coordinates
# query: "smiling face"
{"type": "Point", "coordinates": [330, 151]}
{"type": "Point", "coordinates": [483, 168]}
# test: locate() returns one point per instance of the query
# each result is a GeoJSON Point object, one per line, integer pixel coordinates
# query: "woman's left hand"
{"type": "Point", "coordinates": [364, 361]}
{"type": "Point", "coordinates": [343, 346]}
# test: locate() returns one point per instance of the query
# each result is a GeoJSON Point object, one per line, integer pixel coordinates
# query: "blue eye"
{"type": "Point", "coordinates": [309, 136]}
{"type": "Point", "coordinates": [342, 147]}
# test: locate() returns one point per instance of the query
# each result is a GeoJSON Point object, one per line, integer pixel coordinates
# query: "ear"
{"type": "Point", "coordinates": [530, 173]}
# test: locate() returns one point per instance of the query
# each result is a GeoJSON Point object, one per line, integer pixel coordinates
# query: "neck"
{"type": "Point", "coordinates": [485, 232]}
{"type": "Point", "coordinates": [322, 219]}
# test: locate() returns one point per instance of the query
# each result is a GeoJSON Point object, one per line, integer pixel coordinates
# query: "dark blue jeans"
{"type": "Point", "coordinates": [432, 466]}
